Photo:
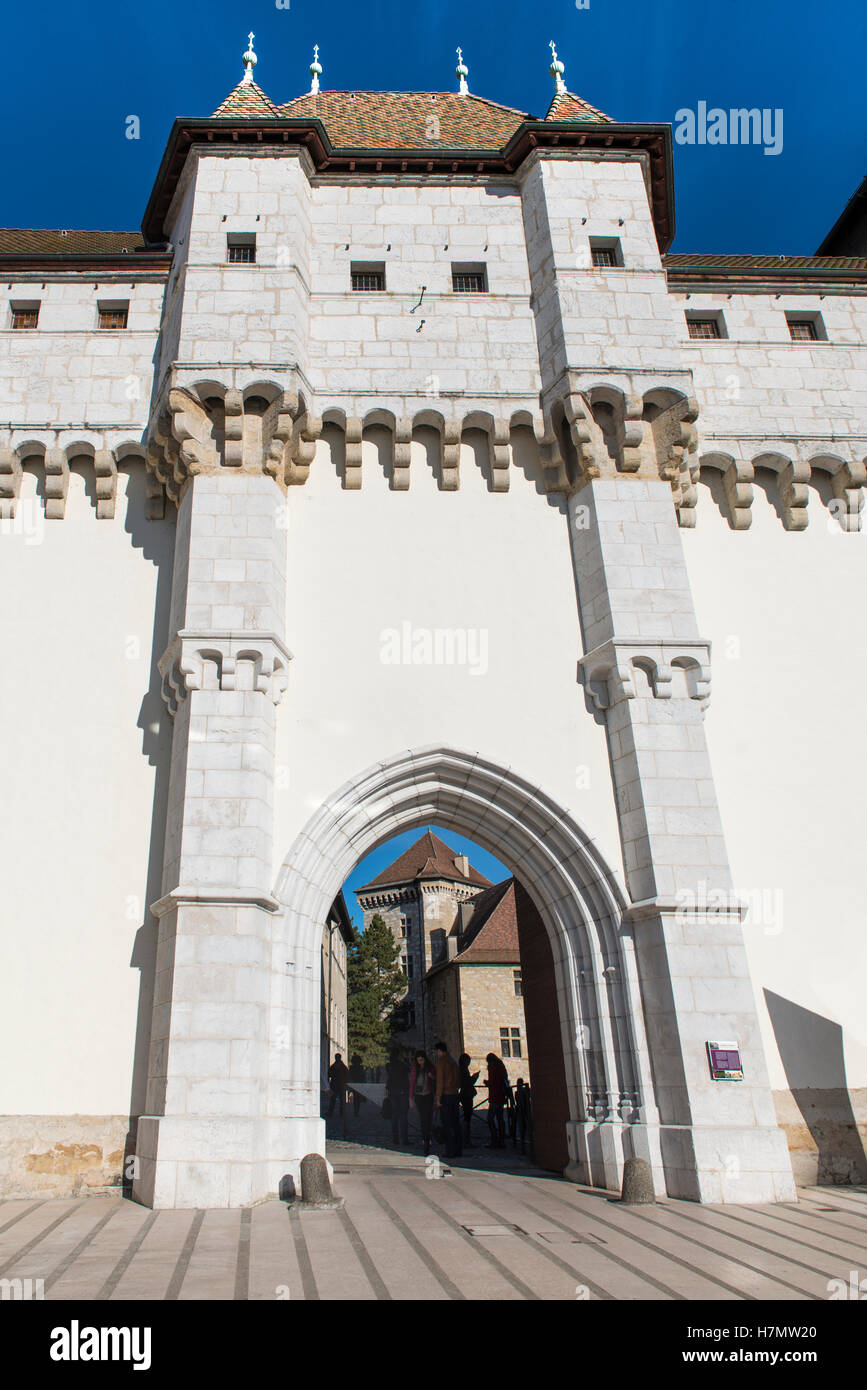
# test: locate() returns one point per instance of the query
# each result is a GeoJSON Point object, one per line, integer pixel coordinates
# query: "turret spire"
{"type": "Point", "coordinates": [462, 73]}
{"type": "Point", "coordinates": [250, 59]}
{"type": "Point", "coordinates": [315, 69]}
{"type": "Point", "coordinates": [557, 69]}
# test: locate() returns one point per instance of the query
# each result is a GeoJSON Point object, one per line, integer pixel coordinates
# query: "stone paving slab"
{"type": "Point", "coordinates": [466, 1236]}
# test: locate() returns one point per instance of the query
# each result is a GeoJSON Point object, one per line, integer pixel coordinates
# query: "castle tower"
{"type": "Point", "coordinates": [418, 897]}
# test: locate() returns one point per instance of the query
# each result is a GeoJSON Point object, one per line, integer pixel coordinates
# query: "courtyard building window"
{"type": "Point", "coordinates": [519, 983]}
{"type": "Point", "coordinates": [241, 248]}
{"type": "Point", "coordinates": [510, 1042]}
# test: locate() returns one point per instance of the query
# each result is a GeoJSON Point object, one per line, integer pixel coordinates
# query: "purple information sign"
{"type": "Point", "coordinates": [725, 1062]}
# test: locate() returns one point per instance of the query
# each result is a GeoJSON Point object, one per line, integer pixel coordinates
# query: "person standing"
{"type": "Point", "coordinates": [448, 1080]}
{"type": "Point", "coordinates": [466, 1092]}
{"type": "Point", "coordinates": [397, 1090]}
{"type": "Point", "coordinates": [497, 1084]}
{"type": "Point", "coordinates": [356, 1073]}
{"type": "Point", "coordinates": [523, 1111]}
{"type": "Point", "coordinates": [338, 1075]}
{"type": "Point", "coordinates": [422, 1089]}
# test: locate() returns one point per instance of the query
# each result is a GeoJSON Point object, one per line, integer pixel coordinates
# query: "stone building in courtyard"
{"type": "Point", "coordinates": [459, 951]}
{"type": "Point", "coordinates": [397, 473]}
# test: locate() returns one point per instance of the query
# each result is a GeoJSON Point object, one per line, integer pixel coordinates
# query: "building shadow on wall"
{"type": "Point", "coordinates": [811, 1049]}
{"type": "Point", "coordinates": [155, 539]}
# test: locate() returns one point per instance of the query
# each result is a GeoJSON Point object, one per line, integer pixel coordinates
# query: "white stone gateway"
{"type": "Point", "coordinates": [419, 358]}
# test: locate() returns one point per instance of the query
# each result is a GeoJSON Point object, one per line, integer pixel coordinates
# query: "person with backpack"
{"type": "Point", "coordinates": [422, 1090]}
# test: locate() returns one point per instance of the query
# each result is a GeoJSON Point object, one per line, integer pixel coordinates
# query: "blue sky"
{"type": "Point", "coordinates": [72, 76]}
{"type": "Point", "coordinates": [374, 863]}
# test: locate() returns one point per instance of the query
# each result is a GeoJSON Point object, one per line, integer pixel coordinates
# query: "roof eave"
{"type": "Point", "coordinates": [310, 132]}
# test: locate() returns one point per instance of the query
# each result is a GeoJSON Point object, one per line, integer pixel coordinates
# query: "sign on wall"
{"type": "Point", "coordinates": [725, 1061]}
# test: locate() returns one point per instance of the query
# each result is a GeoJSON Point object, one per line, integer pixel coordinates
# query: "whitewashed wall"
{"type": "Point", "coordinates": [497, 564]}
{"type": "Point", "coordinates": [86, 737]}
{"type": "Point", "coordinates": [784, 726]}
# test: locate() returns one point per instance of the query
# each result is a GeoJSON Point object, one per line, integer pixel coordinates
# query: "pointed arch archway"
{"type": "Point", "coordinates": [612, 1114]}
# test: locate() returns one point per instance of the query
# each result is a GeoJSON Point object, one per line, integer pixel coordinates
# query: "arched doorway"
{"type": "Point", "coordinates": [578, 899]}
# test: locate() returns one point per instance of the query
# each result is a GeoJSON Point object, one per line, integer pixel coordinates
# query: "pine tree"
{"type": "Point", "coordinates": [375, 982]}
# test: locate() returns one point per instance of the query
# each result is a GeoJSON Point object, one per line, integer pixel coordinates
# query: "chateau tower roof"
{"type": "Point", "coordinates": [429, 857]}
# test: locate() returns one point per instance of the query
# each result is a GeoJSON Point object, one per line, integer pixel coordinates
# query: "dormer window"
{"type": "Point", "coordinates": [241, 248]}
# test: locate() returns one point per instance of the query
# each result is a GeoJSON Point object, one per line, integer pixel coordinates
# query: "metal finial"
{"type": "Point", "coordinates": [315, 69]}
{"type": "Point", "coordinates": [250, 59]}
{"type": "Point", "coordinates": [462, 73]}
{"type": "Point", "coordinates": [557, 69]}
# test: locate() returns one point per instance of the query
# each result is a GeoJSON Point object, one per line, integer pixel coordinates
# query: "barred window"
{"type": "Point", "coordinates": [241, 248]}
{"type": "Point", "coordinates": [803, 330]}
{"type": "Point", "coordinates": [469, 279]}
{"type": "Point", "coordinates": [113, 315]}
{"type": "Point", "coordinates": [25, 315]}
{"type": "Point", "coordinates": [703, 328]}
{"type": "Point", "coordinates": [368, 278]}
{"type": "Point", "coordinates": [606, 252]}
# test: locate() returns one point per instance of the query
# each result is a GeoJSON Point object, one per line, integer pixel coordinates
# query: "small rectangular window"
{"type": "Point", "coordinates": [367, 277]}
{"type": "Point", "coordinates": [703, 328]}
{"type": "Point", "coordinates": [25, 314]}
{"type": "Point", "coordinates": [519, 983]}
{"type": "Point", "coordinates": [241, 248]}
{"type": "Point", "coordinates": [113, 313]}
{"type": "Point", "coordinates": [803, 330]}
{"type": "Point", "coordinates": [470, 279]}
{"type": "Point", "coordinates": [605, 253]}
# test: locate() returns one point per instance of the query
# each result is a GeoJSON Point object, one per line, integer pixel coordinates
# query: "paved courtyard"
{"type": "Point", "coordinates": [471, 1234]}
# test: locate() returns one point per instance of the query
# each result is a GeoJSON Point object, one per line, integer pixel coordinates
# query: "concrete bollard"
{"type": "Point", "coordinates": [637, 1190]}
{"type": "Point", "coordinates": [316, 1193]}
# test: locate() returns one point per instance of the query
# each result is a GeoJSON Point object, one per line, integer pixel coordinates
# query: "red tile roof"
{"type": "Point", "coordinates": [429, 857]}
{"type": "Point", "coordinates": [403, 120]}
{"type": "Point", "coordinates": [491, 937]}
{"type": "Point", "coordinates": [409, 120]}
{"type": "Point", "coordinates": [41, 241]}
{"type": "Point", "coordinates": [249, 100]}
{"type": "Point", "coordinates": [567, 107]}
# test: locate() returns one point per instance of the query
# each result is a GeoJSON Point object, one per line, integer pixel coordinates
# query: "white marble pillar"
{"type": "Point", "coordinates": [214, 1134]}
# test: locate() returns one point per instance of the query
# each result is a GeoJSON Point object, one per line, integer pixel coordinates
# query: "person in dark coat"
{"type": "Point", "coordinates": [338, 1075]}
{"type": "Point", "coordinates": [356, 1073]}
{"type": "Point", "coordinates": [397, 1090]}
{"type": "Point", "coordinates": [466, 1092]}
{"type": "Point", "coordinates": [422, 1091]}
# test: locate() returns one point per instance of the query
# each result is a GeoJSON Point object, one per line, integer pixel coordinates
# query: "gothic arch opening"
{"type": "Point", "coordinates": [611, 1112]}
